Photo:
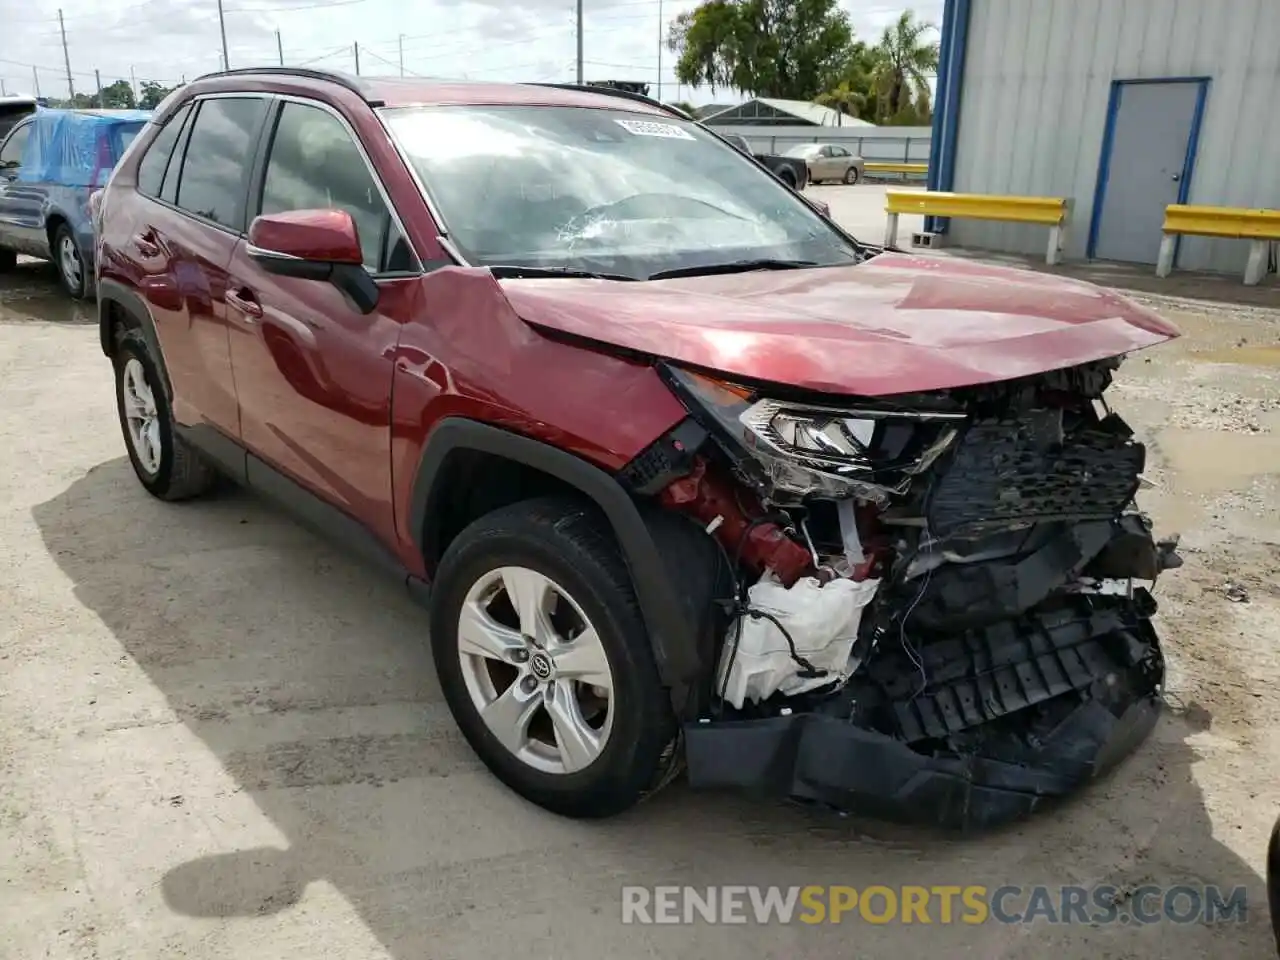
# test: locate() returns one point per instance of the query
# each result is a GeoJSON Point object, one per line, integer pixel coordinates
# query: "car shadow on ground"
{"type": "Point", "coordinates": [307, 678]}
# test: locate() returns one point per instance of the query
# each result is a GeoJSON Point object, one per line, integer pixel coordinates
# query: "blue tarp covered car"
{"type": "Point", "coordinates": [50, 164]}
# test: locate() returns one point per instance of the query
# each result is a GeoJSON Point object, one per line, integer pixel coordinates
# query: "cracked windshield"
{"type": "Point", "coordinates": [604, 190]}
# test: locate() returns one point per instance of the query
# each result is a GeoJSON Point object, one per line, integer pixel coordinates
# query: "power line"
{"type": "Point", "coordinates": [416, 48]}
{"type": "Point", "coordinates": [324, 56]}
{"type": "Point", "coordinates": [292, 8]}
{"type": "Point", "coordinates": [398, 66]}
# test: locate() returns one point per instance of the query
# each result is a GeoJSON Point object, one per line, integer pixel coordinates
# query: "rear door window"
{"type": "Point", "coordinates": [219, 153]}
{"type": "Point", "coordinates": [152, 166]}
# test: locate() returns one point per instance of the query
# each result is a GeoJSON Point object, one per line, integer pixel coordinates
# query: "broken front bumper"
{"type": "Point", "coordinates": [825, 759]}
{"type": "Point", "coordinates": [1005, 721]}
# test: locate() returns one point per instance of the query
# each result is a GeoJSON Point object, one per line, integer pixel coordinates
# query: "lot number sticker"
{"type": "Point", "coordinates": [649, 128]}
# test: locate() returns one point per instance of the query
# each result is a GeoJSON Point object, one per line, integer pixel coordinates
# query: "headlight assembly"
{"type": "Point", "coordinates": [827, 451]}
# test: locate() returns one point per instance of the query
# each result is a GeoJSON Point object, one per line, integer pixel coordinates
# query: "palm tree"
{"type": "Point", "coordinates": [906, 61]}
{"type": "Point", "coordinates": [844, 99]}
{"type": "Point", "coordinates": [855, 92]}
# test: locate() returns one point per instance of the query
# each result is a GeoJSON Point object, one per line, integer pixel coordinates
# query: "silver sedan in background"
{"type": "Point", "coordinates": [829, 161]}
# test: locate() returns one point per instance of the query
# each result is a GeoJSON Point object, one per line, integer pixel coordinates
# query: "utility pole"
{"type": "Point", "coordinates": [97, 76]}
{"type": "Point", "coordinates": [4, 91]}
{"type": "Point", "coordinates": [35, 78]}
{"type": "Point", "coordinates": [222, 26]}
{"type": "Point", "coordinates": [356, 47]}
{"type": "Point", "coordinates": [659, 50]}
{"type": "Point", "coordinates": [279, 47]}
{"type": "Point", "coordinates": [401, 41]}
{"type": "Point", "coordinates": [133, 84]}
{"type": "Point", "coordinates": [66, 57]}
{"type": "Point", "coordinates": [579, 41]}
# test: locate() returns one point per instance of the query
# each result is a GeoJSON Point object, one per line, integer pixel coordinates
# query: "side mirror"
{"type": "Point", "coordinates": [314, 245]}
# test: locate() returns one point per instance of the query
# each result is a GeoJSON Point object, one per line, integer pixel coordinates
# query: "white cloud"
{"type": "Point", "coordinates": [167, 40]}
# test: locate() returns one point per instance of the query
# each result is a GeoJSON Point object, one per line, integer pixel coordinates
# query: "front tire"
{"type": "Point", "coordinates": [545, 662]}
{"type": "Point", "coordinates": [851, 176]}
{"type": "Point", "coordinates": [68, 260]}
{"type": "Point", "coordinates": [8, 259]}
{"type": "Point", "coordinates": [165, 465]}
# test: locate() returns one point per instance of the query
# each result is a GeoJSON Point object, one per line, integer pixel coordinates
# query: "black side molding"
{"type": "Point", "coordinates": [321, 516]}
{"type": "Point", "coordinates": [674, 638]}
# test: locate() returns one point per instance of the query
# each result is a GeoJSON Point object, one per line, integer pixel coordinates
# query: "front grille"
{"type": "Point", "coordinates": [983, 675]}
{"type": "Point", "coordinates": [1028, 470]}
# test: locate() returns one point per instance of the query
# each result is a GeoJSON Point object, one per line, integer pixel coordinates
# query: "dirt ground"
{"type": "Point", "coordinates": [220, 737]}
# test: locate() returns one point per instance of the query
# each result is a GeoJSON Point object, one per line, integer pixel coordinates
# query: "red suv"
{"type": "Point", "coordinates": [688, 477]}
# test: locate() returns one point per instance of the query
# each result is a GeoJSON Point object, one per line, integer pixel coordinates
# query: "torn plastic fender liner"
{"type": "Point", "coordinates": [818, 757]}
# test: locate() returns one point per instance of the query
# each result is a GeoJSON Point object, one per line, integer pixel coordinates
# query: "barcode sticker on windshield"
{"type": "Point", "coordinates": [649, 128]}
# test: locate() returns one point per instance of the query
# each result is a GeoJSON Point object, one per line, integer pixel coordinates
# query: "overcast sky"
{"type": "Point", "coordinates": [167, 40]}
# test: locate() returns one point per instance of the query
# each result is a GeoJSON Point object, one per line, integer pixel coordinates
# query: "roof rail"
{"type": "Point", "coordinates": [622, 94]}
{"type": "Point", "coordinates": [354, 84]}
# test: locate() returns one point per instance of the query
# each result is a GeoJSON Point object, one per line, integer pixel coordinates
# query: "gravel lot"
{"type": "Point", "coordinates": [219, 737]}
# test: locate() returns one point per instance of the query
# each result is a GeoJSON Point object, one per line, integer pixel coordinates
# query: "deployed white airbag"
{"type": "Point", "coordinates": [822, 620]}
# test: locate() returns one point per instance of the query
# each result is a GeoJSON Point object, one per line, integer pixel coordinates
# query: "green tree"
{"type": "Point", "coordinates": [118, 96]}
{"type": "Point", "coordinates": [854, 91]}
{"type": "Point", "coordinates": [844, 98]}
{"type": "Point", "coordinates": [153, 93]}
{"type": "Point", "coordinates": [905, 62]}
{"type": "Point", "coordinates": [794, 49]}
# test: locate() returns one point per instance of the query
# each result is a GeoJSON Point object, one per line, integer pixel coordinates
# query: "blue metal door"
{"type": "Point", "coordinates": [1148, 154]}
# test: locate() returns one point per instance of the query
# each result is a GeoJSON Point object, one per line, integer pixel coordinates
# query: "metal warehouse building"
{"type": "Point", "coordinates": [1123, 106]}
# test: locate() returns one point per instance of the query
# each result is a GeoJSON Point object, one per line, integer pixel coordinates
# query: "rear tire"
{"type": "Point", "coordinates": [633, 740]}
{"type": "Point", "coordinates": [165, 465]}
{"type": "Point", "coordinates": [70, 263]}
{"type": "Point", "coordinates": [8, 259]}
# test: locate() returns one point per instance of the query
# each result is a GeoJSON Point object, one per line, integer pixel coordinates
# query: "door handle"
{"type": "Point", "coordinates": [244, 301]}
{"type": "Point", "coordinates": [146, 243]}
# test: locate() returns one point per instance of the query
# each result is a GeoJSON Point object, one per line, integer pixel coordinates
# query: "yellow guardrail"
{"type": "Point", "coordinates": [1051, 212]}
{"type": "Point", "coordinates": [1260, 226]}
{"type": "Point", "coordinates": [880, 166]}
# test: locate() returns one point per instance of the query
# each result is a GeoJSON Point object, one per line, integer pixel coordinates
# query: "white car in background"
{"type": "Point", "coordinates": [829, 161]}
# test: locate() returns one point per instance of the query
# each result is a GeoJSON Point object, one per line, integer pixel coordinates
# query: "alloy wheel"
{"type": "Point", "coordinates": [536, 670]}
{"type": "Point", "coordinates": [141, 415]}
{"type": "Point", "coordinates": [69, 262]}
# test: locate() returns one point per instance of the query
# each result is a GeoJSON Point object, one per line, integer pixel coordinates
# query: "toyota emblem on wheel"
{"type": "Point", "coordinates": [540, 666]}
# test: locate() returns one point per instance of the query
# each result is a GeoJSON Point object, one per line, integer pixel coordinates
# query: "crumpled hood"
{"type": "Point", "coordinates": [895, 324]}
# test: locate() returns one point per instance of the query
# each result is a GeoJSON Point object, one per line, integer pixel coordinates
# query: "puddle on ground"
{"type": "Point", "coordinates": [1207, 465]}
{"type": "Point", "coordinates": [1251, 356]}
{"type": "Point", "coordinates": [31, 292]}
{"type": "Point", "coordinates": [1214, 461]}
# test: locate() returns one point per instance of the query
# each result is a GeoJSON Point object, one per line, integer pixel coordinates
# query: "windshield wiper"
{"type": "Point", "coordinates": [516, 270]}
{"type": "Point", "coordinates": [733, 266]}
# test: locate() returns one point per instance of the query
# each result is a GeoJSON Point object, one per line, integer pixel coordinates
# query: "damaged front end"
{"type": "Point", "coordinates": [931, 606]}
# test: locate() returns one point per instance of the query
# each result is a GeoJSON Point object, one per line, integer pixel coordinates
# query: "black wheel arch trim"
{"type": "Point", "coordinates": [673, 639]}
{"type": "Point", "coordinates": [113, 293]}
